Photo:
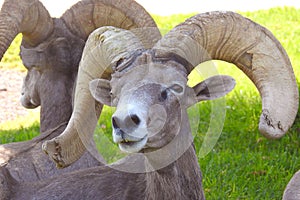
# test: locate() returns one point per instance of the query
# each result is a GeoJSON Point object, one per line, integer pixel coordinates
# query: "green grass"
{"type": "Point", "coordinates": [11, 58]}
{"type": "Point", "coordinates": [243, 164]}
{"type": "Point", "coordinates": [20, 134]}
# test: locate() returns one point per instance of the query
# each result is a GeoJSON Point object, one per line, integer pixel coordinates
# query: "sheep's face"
{"type": "Point", "coordinates": [45, 64]}
{"type": "Point", "coordinates": [148, 107]}
{"type": "Point", "coordinates": [51, 67]}
{"type": "Point", "coordinates": [151, 99]}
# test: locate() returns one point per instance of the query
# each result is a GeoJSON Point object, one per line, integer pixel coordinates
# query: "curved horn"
{"type": "Point", "coordinates": [104, 48]}
{"type": "Point", "coordinates": [82, 19]}
{"type": "Point", "coordinates": [88, 15]}
{"type": "Point", "coordinates": [23, 16]}
{"type": "Point", "coordinates": [252, 48]}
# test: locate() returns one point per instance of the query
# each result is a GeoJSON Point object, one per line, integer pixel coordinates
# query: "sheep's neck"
{"type": "Point", "coordinates": [51, 118]}
{"type": "Point", "coordinates": [180, 180]}
{"type": "Point", "coordinates": [56, 107]}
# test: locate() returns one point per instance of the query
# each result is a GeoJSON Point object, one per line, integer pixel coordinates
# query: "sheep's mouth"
{"type": "Point", "coordinates": [128, 142]}
{"type": "Point", "coordinates": [28, 102]}
{"type": "Point", "coordinates": [130, 146]}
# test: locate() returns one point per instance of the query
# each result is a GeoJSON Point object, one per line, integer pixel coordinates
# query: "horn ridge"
{"type": "Point", "coordinates": [88, 15]}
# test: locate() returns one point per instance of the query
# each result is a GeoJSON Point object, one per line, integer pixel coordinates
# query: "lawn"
{"type": "Point", "coordinates": [242, 164]}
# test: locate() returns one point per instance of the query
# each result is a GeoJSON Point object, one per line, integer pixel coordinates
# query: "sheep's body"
{"type": "Point", "coordinates": [180, 180]}
{"type": "Point", "coordinates": [26, 162]}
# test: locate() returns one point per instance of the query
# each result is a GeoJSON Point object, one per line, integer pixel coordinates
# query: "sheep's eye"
{"type": "Point", "coordinates": [176, 88]}
{"type": "Point", "coordinates": [163, 95]}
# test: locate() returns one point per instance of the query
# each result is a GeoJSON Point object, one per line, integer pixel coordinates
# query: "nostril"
{"type": "Point", "coordinates": [136, 120]}
{"type": "Point", "coordinates": [114, 123]}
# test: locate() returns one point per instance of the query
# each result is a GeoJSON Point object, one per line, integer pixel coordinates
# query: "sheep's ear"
{"type": "Point", "coordinates": [211, 88]}
{"type": "Point", "coordinates": [100, 89]}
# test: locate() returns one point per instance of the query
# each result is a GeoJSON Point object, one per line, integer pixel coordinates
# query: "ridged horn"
{"type": "Point", "coordinates": [82, 19]}
{"type": "Point", "coordinates": [252, 48]}
{"type": "Point", "coordinates": [88, 15]}
{"type": "Point", "coordinates": [28, 17]}
{"type": "Point", "coordinates": [103, 49]}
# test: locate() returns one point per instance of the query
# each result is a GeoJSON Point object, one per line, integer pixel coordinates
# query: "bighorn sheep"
{"type": "Point", "coordinates": [247, 45]}
{"type": "Point", "coordinates": [51, 50]}
{"type": "Point", "coordinates": [146, 81]}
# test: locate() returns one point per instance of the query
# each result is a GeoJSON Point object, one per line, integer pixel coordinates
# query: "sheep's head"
{"type": "Point", "coordinates": [50, 68]}
{"type": "Point", "coordinates": [141, 80]}
{"type": "Point", "coordinates": [150, 101]}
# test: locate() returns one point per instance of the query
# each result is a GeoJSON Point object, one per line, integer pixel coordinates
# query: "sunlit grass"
{"type": "Point", "coordinates": [22, 121]}
{"type": "Point", "coordinates": [11, 58]}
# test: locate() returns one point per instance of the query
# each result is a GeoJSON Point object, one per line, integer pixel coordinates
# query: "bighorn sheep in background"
{"type": "Point", "coordinates": [51, 50]}
{"type": "Point", "coordinates": [147, 81]}
{"type": "Point", "coordinates": [52, 47]}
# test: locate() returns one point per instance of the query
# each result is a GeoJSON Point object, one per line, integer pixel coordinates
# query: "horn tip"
{"type": "Point", "coordinates": [269, 129]}
{"type": "Point", "coordinates": [52, 149]}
